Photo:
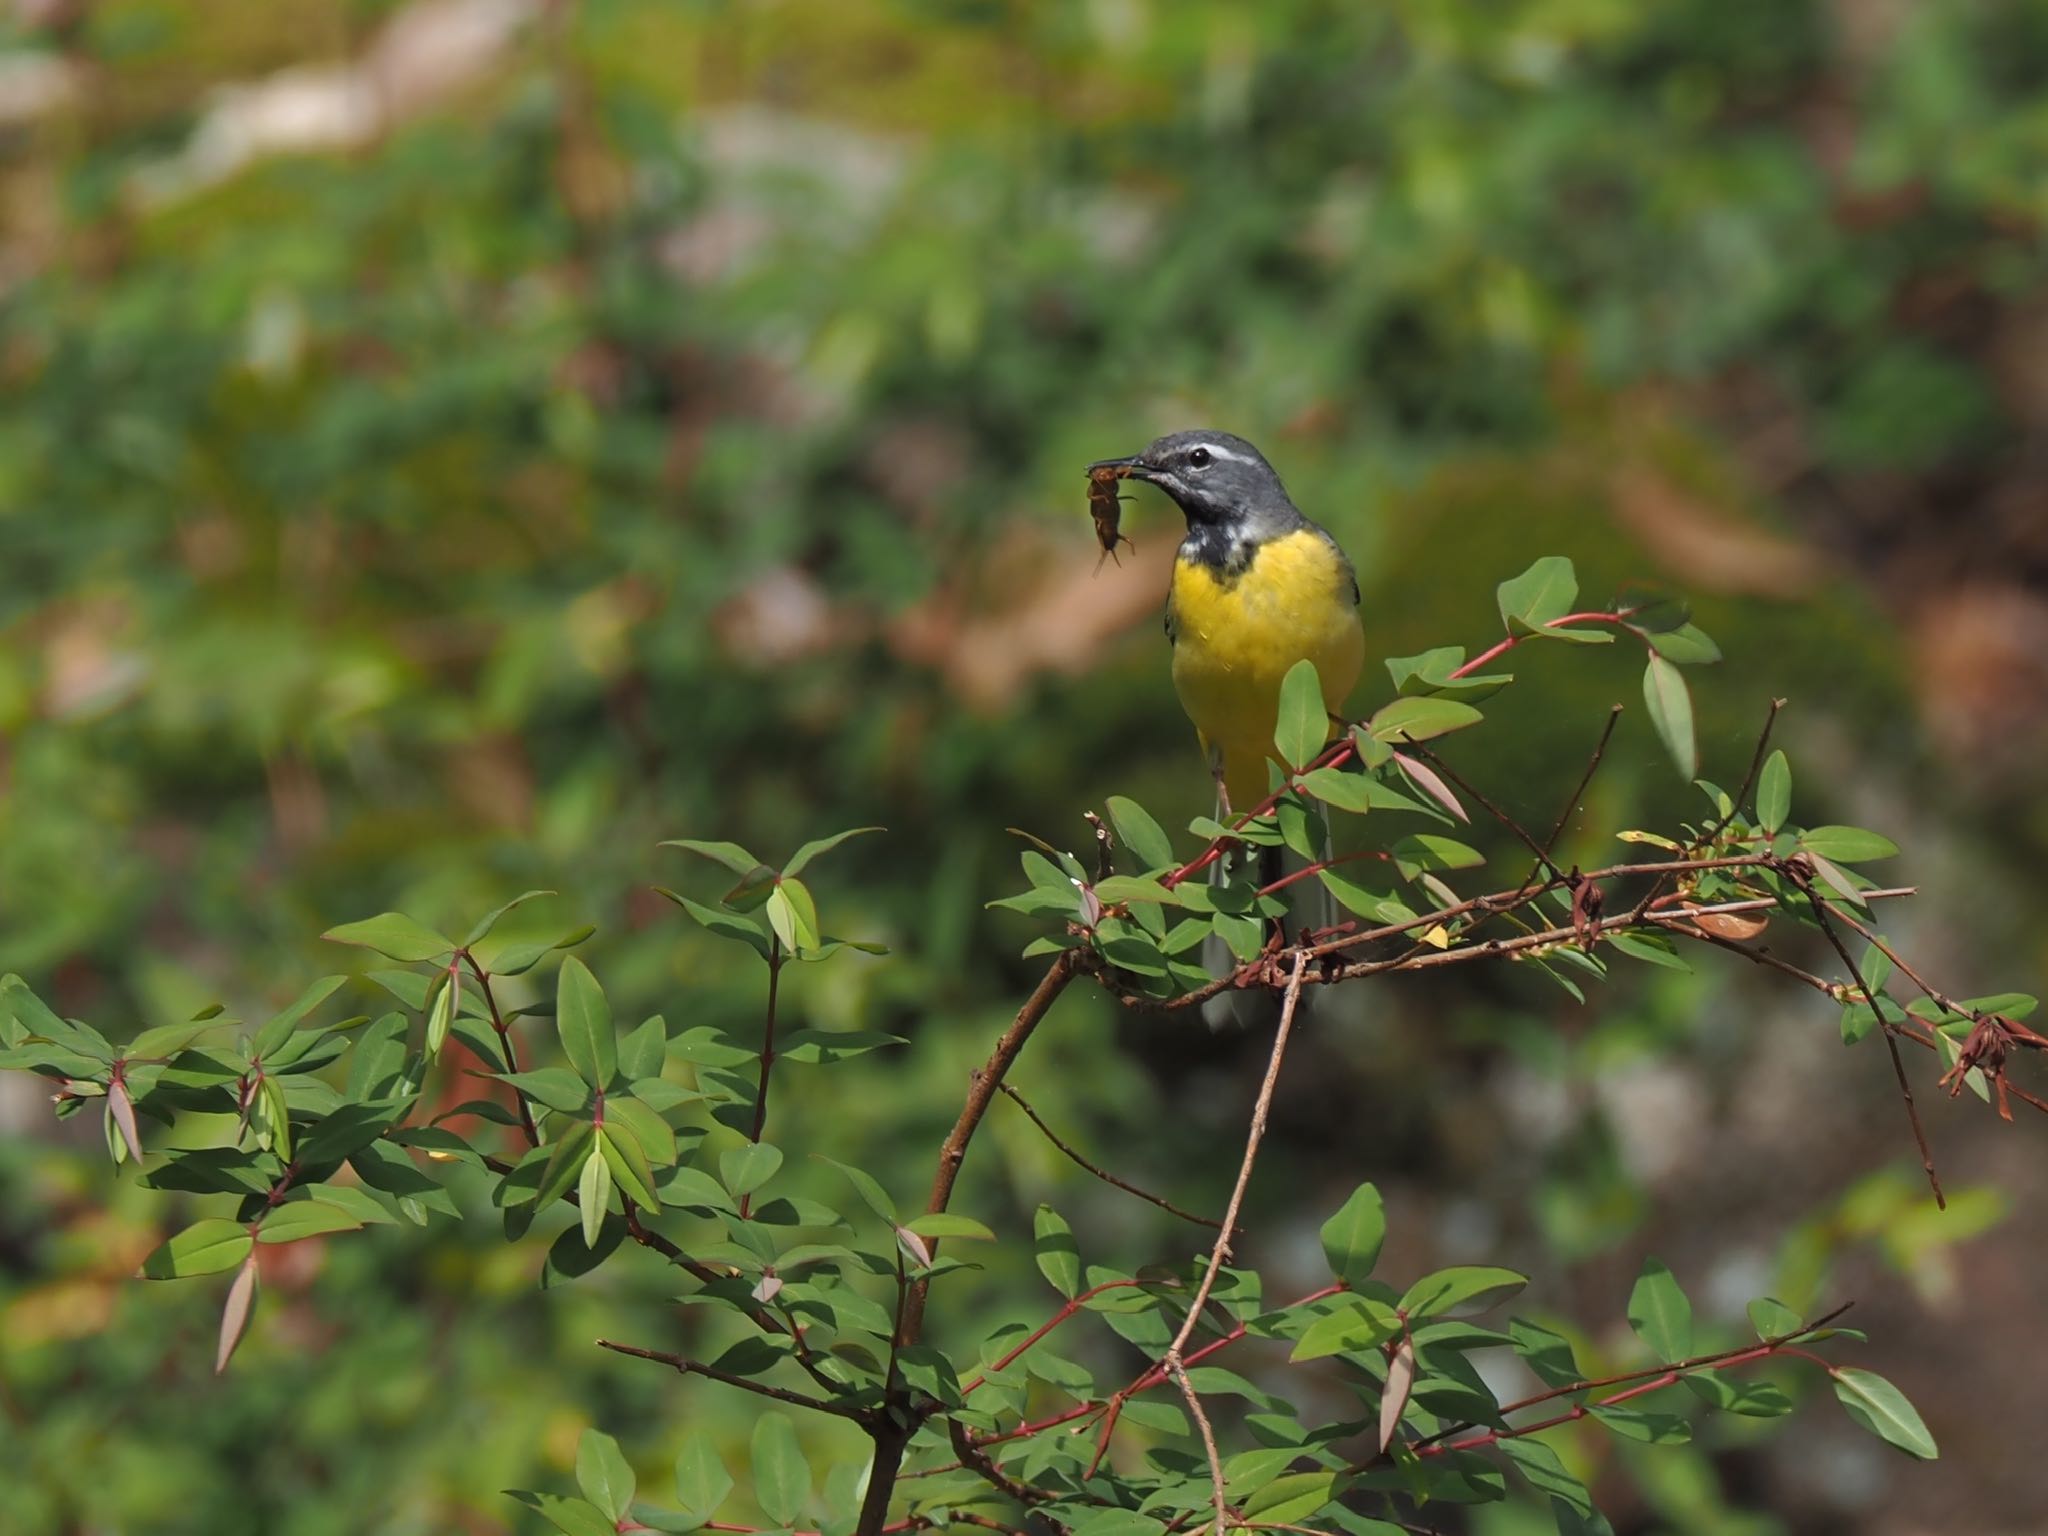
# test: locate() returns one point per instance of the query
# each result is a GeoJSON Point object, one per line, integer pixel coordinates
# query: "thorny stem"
{"type": "Point", "coordinates": [1175, 1366]}
{"type": "Point", "coordinates": [1102, 1173]}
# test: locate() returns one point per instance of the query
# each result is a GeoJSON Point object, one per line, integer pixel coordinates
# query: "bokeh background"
{"type": "Point", "coordinates": [447, 446]}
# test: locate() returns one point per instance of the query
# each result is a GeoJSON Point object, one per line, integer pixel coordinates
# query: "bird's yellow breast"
{"type": "Point", "coordinates": [1235, 637]}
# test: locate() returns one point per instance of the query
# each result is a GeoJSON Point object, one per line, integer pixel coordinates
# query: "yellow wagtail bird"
{"type": "Point", "coordinates": [1256, 588]}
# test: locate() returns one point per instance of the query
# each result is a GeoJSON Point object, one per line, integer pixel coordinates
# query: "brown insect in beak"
{"type": "Point", "coordinates": [1106, 507]}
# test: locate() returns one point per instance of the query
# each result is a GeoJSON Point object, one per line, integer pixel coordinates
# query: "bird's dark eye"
{"type": "Point", "coordinates": [1198, 457]}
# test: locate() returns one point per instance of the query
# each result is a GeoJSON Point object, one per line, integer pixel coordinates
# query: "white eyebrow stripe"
{"type": "Point", "coordinates": [1225, 453]}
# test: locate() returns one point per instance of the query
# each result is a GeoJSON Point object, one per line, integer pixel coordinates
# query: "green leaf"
{"type": "Point", "coordinates": [939, 1224]}
{"type": "Point", "coordinates": [1670, 704]}
{"type": "Point", "coordinates": [486, 923]}
{"type": "Point", "coordinates": [394, 936]}
{"type": "Point", "coordinates": [572, 1517]}
{"type": "Point", "coordinates": [1882, 1409]}
{"type": "Point", "coordinates": [205, 1248]}
{"type": "Point", "coordinates": [727, 925]}
{"type": "Point", "coordinates": [701, 1479]}
{"type": "Point", "coordinates": [1352, 1237]}
{"type": "Point", "coordinates": [594, 1189]}
{"type": "Point", "coordinates": [872, 1194]}
{"type": "Point", "coordinates": [627, 1160]}
{"type": "Point", "coordinates": [1686, 646]}
{"type": "Point", "coordinates": [1545, 591]}
{"type": "Point", "coordinates": [1053, 1246]}
{"type": "Point", "coordinates": [1419, 719]}
{"type": "Point", "coordinates": [793, 916]}
{"type": "Point", "coordinates": [1847, 845]}
{"type": "Point", "coordinates": [642, 1052]}
{"type": "Point", "coordinates": [754, 889]}
{"type": "Point", "coordinates": [782, 1478]}
{"type": "Point", "coordinates": [566, 1161]}
{"type": "Point", "coordinates": [295, 1219]}
{"type": "Point", "coordinates": [279, 1029]}
{"type": "Point", "coordinates": [602, 1474]}
{"type": "Point", "coordinates": [1356, 1324]}
{"type": "Point", "coordinates": [1462, 1286]}
{"type": "Point", "coordinates": [1335, 787]}
{"type": "Point", "coordinates": [817, 846]}
{"type": "Point", "coordinates": [554, 1087]}
{"type": "Point", "coordinates": [731, 855]}
{"type": "Point", "coordinates": [583, 1019]}
{"type": "Point", "coordinates": [1141, 834]}
{"type": "Point", "coordinates": [1547, 1354]}
{"type": "Point", "coordinates": [1291, 1498]}
{"type": "Point", "coordinates": [1647, 1425]}
{"type": "Point", "coordinates": [1659, 1312]}
{"type": "Point", "coordinates": [1772, 1319]}
{"type": "Point", "coordinates": [1304, 723]}
{"type": "Point", "coordinates": [1774, 793]}
{"type": "Point", "coordinates": [1546, 1473]}
{"type": "Point", "coordinates": [656, 1138]}
{"type": "Point", "coordinates": [1654, 948]}
{"type": "Point", "coordinates": [745, 1169]}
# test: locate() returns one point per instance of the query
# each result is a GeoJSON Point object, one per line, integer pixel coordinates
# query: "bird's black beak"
{"type": "Point", "coordinates": [1133, 468]}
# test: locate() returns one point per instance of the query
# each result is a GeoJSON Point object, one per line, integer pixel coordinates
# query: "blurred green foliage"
{"type": "Point", "coordinates": [614, 421]}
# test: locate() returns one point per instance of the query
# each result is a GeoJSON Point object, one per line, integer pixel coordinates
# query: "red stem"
{"type": "Point", "coordinates": [1502, 647]}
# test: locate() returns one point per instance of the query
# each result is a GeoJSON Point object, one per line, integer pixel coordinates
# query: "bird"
{"type": "Point", "coordinates": [1256, 588]}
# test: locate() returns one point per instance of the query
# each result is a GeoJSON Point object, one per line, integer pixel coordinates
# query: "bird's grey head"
{"type": "Point", "coordinates": [1214, 477]}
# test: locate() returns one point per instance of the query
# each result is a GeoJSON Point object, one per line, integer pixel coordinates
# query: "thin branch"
{"type": "Point", "coordinates": [1073, 1306]}
{"type": "Point", "coordinates": [1891, 1043]}
{"type": "Point", "coordinates": [767, 1058]}
{"type": "Point", "coordinates": [505, 1045]}
{"type": "Point", "coordinates": [1102, 1173]}
{"type": "Point", "coordinates": [1585, 780]}
{"type": "Point", "coordinates": [1756, 764]}
{"type": "Point", "coordinates": [1500, 648]}
{"type": "Point", "coordinates": [1175, 1366]}
{"type": "Point", "coordinates": [1543, 859]}
{"type": "Point", "coordinates": [689, 1367]}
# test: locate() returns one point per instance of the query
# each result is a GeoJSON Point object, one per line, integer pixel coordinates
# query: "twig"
{"type": "Point", "coordinates": [767, 1058]}
{"type": "Point", "coordinates": [1820, 916]}
{"type": "Point", "coordinates": [689, 1367]}
{"type": "Point", "coordinates": [1543, 859]}
{"type": "Point", "coordinates": [1585, 779]}
{"type": "Point", "coordinates": [1176, 1367]}
{"type": "Point", "coordinates": [1102, 1173]}
{"type": "Point", "coordinates": [1756, 764]}
{"type": "Point", "coordinates": [505, 1045]}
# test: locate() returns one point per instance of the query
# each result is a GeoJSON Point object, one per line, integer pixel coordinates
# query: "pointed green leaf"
{"type": "Point", "coordinates": [822, 845]}
{"type": "Point", "coordinates": [1352, 1237]}
{"type": "Point", "coordinates": [731, 855]}
{"type": "Point", "coordinates": [940, 1224]}
{"type": "Point", "coordinates": [1053, 1246]}
{"type": "Point", "coordinates": [1660, 1313]}
{"type": "Point", "coordinates": [485, 924]}
{"type": "Point", "coordinates": [289, 1222]}
{"type": "Point", "coordinates": [1882, 1409]}
{"type": "Point", "coordinates": [1686, 646]}
{"type": "Point", "coordinates": [205, 1248]}
{"type": "Point", "coordinates": [1847, 845]}
{"type": "Point", "coordinates": [1420, 718]}
{"type": "Point", "coordinates": [594, 1189]}
{"type": "Point", "coordinates": [1670, 704]}
{"type": "Point", "coordinates": [871, 1193]}
{"type": "Point", "coordinates": [1545, 591]}
{"type": "Point", "coordinates": [701, 1479]}
{"type": "Point", "coordinates": [745, 1169]}
{"type": "Point", "coordinates": [602, 1474]}
{"type": "Point", "coordinates": [1774, 793]}
{"type": "Point", "coordinates": [583, 1019]}
{"type": "Point", "coordinates": [627, 1160]}
{"type": "Point", "coordinates": [394, 936]}
{"type": "Point", "coordinates": [782, 1478]}
{"type": "Point", "coordinates": [1467, 1287]}
{"type": "Point", "coordinates": [1304, 723]}
{"type": "Point", "coordinates": [1141, 834]}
